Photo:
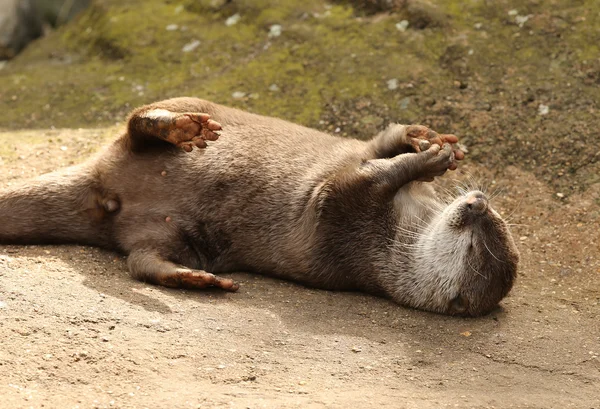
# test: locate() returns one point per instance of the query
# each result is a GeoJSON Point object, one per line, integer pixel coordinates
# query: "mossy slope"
{"type": "Point", "coordinates": [480, 69]}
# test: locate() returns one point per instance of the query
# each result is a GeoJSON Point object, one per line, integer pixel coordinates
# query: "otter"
{"type": "Point", "coordinates": [272, 197]}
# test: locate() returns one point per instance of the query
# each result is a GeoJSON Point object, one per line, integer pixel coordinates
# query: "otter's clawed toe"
{"type": "Point", "coordinates": [424, 145]}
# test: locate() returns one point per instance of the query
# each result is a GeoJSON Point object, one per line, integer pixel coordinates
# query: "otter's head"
{"type": "Point", "coordinates": [465, 261]}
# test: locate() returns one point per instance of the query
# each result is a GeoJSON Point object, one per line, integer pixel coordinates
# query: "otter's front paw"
{"type": "Point", "coordinates": [436, 161]}
{"type": "Point", "coordinates": [422, 138]}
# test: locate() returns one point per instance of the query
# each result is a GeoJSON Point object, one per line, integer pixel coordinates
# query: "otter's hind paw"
{"type": "Point", "coordinates": [193, 129]}
{"type": "Point", "coordinates": [421, 138]}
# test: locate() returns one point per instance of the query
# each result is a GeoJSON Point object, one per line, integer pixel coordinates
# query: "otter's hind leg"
{"type": "Point", "coordinates": [148, 126]}
{"type": "Point", "coordinates": [148, 266]}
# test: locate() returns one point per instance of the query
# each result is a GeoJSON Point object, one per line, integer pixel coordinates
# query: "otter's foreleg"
{"type": "Point", "coordinates": [149, 125]}
{"type": "Point", "coordinates": [147, 265]}
{"type": "Point", "coordinates": [398, 139]}
{"type": "Point", "coordinates": [389, 175]}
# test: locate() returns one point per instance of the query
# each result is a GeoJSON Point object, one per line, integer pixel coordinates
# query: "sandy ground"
{"type": "Point", "coordinates": [77, 332]}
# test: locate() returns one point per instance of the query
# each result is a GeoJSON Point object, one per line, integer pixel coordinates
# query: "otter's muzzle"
{"type": "Point", "coordinates": [476, 203]}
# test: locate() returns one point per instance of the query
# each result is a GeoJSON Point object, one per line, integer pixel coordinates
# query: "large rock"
{"type": "Point", "coordinates": [19, 24]}
{"type": "Point", "coordinates": [57, 12]}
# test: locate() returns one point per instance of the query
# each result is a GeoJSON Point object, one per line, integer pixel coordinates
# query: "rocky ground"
{"type": "Point", "coordinates": [517, 81]}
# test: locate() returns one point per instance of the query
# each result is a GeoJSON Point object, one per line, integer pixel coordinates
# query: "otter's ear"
{"type": "Point", "coordinates": [458, 305]}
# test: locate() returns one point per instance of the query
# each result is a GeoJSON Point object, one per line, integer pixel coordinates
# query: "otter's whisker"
{"type": "Point", "coordinates": [509, 217]}
{"type": "Point", "coordinates": [517, 224]}
{"type": "Point", "coordinates": [475, 270]}
{"type": "Point", "coordinates": [497, 192]}
{"type": "Point", "coordinates": [492, 254]}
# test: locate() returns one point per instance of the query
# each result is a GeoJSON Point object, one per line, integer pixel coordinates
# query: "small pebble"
{"type": "Point", "coordinates": [356, 349]}
{"type": "Point", "coordinates": [392, 84]}
{"type": "Point", "coordinates": [521, 20]}
{"type": "Point", "coordinates": [560, 195]}
{"type": "Point", "coordinates": [172, 27]}
{"type": "Point", "coordinates": [191, 46]}
{"type": "Point", "coordinates": [275, 31]}
{"type": "Point", "coordinates": [163, 173]}
{"type": "Point", "coordinates": [273, 88]}
{"type": "Point", "coordinates": [402, 25]}
{"type": "Point", "coordinates": [238, 94]}
{"type": "Point", "coordinates": [543, 109]}
{"type": "Point", "coordinates": [233, 20]}
{"type": "Point", "coordinates": [168, 219]}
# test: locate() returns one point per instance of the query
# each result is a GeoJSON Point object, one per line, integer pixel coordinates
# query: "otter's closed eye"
{"type": "Point", "coordinates": [458, 305]}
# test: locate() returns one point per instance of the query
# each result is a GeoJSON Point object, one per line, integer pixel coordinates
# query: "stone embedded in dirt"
{"type": "Point", "coordinates": [191, 46]}
{"type": "Point", "coordinates": [543, 109]}
{"type": "Point", "coordinates": [233, 20]}
{"type": "Point", "coordinates": [402, 25]}
{"type": "Point", "coordinates": [392, 84]}
{"type": "Point", "coordinates": [356, 349]}
{"type": "Point", "coordinates": [19, 24]}
{"type": "Point", "coordinates": [275, 30]}
{"type": "Point", "coordinates": [521, 20]}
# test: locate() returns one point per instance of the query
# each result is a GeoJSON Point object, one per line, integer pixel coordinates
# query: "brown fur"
{"type": "Point", "coordinates": [270, 197]}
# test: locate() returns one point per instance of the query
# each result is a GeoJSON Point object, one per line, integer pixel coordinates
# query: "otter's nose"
{"type": "Point", "coordinates": [476, 202]}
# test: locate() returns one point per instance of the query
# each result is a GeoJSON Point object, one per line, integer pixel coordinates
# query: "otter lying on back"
{"type": "Point", "coordinates": [275, 198]}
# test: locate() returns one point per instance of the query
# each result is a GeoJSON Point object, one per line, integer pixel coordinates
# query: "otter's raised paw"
{"type": "Point", "coordinates": [436, 161]}
{"type": "Point", "coordinates": [422, 138]}
{"type": "Point", "coordinates": [184, 130]}
{"type": "Point", "coordinates": [193, 129]}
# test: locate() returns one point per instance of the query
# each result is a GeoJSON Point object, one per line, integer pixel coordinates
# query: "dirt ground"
{"type": "Point", "coordinates": [77, 332]}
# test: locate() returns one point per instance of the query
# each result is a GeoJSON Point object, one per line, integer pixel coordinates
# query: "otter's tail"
{"type": "Point", "coordinates": [60, 207]}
